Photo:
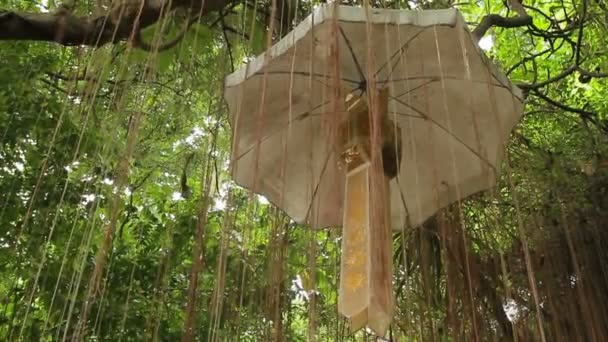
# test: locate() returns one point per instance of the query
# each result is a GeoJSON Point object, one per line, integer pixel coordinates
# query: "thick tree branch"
{"type": "Point", "coordinates": [122, 22]}
{"type": "Point", "coordinates": [584, 114]}
{"type": "Point", "coordinates": [62, 28]}
{"type": "Point", "coordinates": [565, 73]}
{"type": "Point", "coordinates": [564, 107]}
{"type": "Point", "coordinates": [496, 20]}
{"type": "Point", "coordinates": [522, 19]}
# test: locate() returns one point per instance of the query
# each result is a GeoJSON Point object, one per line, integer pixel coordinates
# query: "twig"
{"type": "Point", "coordinates": [229, 47]}
{"type": "Point", "coordinates": [53, 85]}
{"type": "Point", "coordinates": [535, 86]}
{"type": "Point", "coordinates": [527, 59]}
{"type": "Point", "coordinates": [580, 33]}
{"type": "Point", "coordinates": [172, 43]}
{"type": "Point", "coordinates": [591, 74]}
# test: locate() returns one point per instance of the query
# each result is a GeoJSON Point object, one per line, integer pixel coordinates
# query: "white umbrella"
{"type": "Point", "coordinates": [451, 109]}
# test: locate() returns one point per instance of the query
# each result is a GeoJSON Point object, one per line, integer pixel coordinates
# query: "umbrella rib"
{"type": "Point", "coordinates": [464, 144]}
{"type": "Point", "coordinates": [314, 193]}
{"type": "Point", "coordinates": [422, 115]}
{"type": "Point", "coordinates": [296, 118]}
{"type": "Point", "coordinates": [301, 73]}
{"type": "Point", "coordinates": [410, 78]}
{"type": "Point", "coordinates": [452, 78]}
{"type": "Point", "coordinates": [409, 115]}
{"type": "Point", "coordinates": [502, 85]}
{"type": "Point", "coordinates": [404, 46]}
{"type": "Point", "coordinates": [352, 54]}
{"type": "Point", "coordinates": [426, 117]}
{"type": "Point", "coordinates": [418, 87]}
{"type": "Point", "coordinates": [403, 202]}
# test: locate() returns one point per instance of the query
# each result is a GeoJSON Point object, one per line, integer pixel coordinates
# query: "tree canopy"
{"type": "Point", "coordinates": [119, 219]}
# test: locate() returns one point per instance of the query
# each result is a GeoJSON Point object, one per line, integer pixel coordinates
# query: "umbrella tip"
{"type": "Point", "coordinates": [362, 86]}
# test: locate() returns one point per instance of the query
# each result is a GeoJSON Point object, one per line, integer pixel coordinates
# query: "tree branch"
{"type": "Point", "coordinates": [491, 20]}
{"type": "Point", "coordinates": [564, 107]}
{"type": "Point", "coordinates": [223, 24]}
{"type": "Point", "coordinates": [122, 22]}
{"type": "Point", "coordinates": [553, 79]}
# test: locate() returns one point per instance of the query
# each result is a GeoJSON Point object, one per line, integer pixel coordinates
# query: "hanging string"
{"type": "Point", "coordinates": [523, 238]}
{"type": "Point", "coordinates": [96, 195]}
{"type": "Point", "coordinates": [220, 283]}
{"type": "Point", "coordinates": [86, 115]}
{"type": "Point", "coordinates": [77, 275]}
{"type": "Point", "coordinates": [248, 238]}
{"type": "Point", "coordinates": [455, 175]}
{"type": "Point", "coordinates": [160, 293]}
{"type": "Point", "coordinates": [277, 245]}
{"type": "Point", "coordinates": [197, 250]}
{"type": "Point", "coordinates": [23, 227]}
{"type": "Point", "coordinates": [116, 202]}
{"type": "Point", "coordinates": [311, 289]}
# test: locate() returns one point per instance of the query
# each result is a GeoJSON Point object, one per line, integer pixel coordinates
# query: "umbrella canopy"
{"type": "Point", "coordinates": [455, 111]}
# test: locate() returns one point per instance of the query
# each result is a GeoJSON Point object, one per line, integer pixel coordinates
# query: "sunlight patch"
{"type": "Point", "coordinates": [298, 288]}
{"type": "Point", "coordinates": [87, 198]}
{"type": "Point", "coordinates": [219, 204]}
{"type": "Point", "coordinates": [511, 310]}
{"type": "Point", "coordinates": [263, 200]}
{"type": "Point", "coordinates": [19, 166]}
{"type": "Point", "coordinates": [177, 196]}
{"type": "Point", "coordinates": [487, 42]}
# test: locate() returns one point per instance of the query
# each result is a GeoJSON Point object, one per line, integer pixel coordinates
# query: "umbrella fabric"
{"type": "Point", "coordinates": [454, 108]}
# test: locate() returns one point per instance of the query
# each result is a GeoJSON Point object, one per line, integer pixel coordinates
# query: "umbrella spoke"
{"type": "Point", "coordinates": [422, 115]}
{"type": "Point", "coordinates": [399, 51]}
{"type": "Point", "coordinates": [407, 115]}
{"type": "Point", "coordinates": [501, 84]}
{"type": "Point", "coordinates": [417, 87]}
{"type": "Point", "coordinates": [298, 117]}
{"type": "Point", "coordinates": [352, 54]}
{"type": "Point", "coordinates": [318, 183]}
{"type": "Point", "coordinates": [445, 77]}
{"type": "Point", "coordinates": [301, 73]}
{"type": "Point", "coordinates": [409, 78]}
{"type": "Point", "coordinates": [455, 137]}
{"type": "Point", "coordinates": [403, 203]}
